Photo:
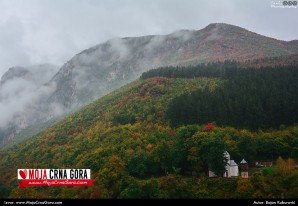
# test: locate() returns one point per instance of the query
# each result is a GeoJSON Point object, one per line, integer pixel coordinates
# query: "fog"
{"type": "Point", "coordinates": [22, 89]}
{"type": "Point", "coordinates": [52, 31]}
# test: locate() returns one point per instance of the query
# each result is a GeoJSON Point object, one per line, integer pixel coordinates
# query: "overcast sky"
{"type": "Point", "coordinates": [53, 31]}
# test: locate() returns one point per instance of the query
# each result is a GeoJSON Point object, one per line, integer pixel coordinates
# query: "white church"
{"type": "Point", "coordinates": [231, 168]}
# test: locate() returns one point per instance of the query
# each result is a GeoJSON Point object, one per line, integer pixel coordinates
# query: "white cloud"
{"type": "Point", "coordinates": [52, 31]}
{"type": "Point", "coordinates": [21, 95]}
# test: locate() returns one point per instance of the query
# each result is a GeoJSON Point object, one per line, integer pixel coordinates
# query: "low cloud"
{"type": "Point", "coordinates": [21, 95]}
{"type": "Point", "coordinates": [52, 31]}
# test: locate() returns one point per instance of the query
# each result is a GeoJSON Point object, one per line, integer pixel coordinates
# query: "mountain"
{"type": "Point", "coordinates": [16, 72]}
{"type": "Point", "coordinates": [126, 140]}
{"type": "Point", "coordinates": [36, 74]}
{"type": "Point", "coordinates": [20, 91]}
{"type": "Point", "coordinates": [98, 70]}
{"type": "Point", "coordinates": [101, 69]}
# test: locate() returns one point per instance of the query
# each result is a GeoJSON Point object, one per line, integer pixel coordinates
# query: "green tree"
{"type": "Point", "coordinates": [180, 149]}
{"type": "Point", "coordinates": [206, 149]}
{"type": "Point", "coordinates": [281, 165]}
{"type": "Point", "coordinates": [244, 188]}
{"type": "Point", "coordinates": [217, 159]}
{"type": "Point", "coordinates": [137, 165]}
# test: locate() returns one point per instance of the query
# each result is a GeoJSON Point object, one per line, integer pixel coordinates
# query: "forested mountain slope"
{"type": "Point", "coordinates": [99, 70]}
{"type": "Point", "coordinates": [127, 141]}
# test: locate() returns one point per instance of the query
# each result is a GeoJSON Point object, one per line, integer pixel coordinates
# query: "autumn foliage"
{"type": "Point", "coordinates": [133, 151]}
{"type": "Point", "coordinates": [209, 127]}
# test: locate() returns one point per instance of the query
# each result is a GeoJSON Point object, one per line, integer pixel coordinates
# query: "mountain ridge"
{"type": "Point", "coordinates": [190, 55]}
{"type": "Point", "coordinates": [104, 67]}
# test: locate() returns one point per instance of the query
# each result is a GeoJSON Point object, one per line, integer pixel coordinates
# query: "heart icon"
{"type": "Point", "coordinates": [23, 173]}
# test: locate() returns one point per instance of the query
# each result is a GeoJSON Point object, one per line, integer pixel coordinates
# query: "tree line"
{"type": "Point", "coordinates": [249, 98]}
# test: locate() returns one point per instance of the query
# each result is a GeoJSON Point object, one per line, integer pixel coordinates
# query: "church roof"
{"type": "Point", "coordinates": [243, 161]}
{"type": "Point", "coordinates": [232, 163]}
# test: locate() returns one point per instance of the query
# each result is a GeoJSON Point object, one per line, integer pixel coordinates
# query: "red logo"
{"type": "Point", "coordinates": [54, 177]}
{"type": "Point", "coordinates": [23, 173]}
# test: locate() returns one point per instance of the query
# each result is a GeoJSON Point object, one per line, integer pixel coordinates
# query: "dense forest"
{"type": "Point", "coordinates": [137, 147]}
{"type": "Point", "coordinates": [250, 98]}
